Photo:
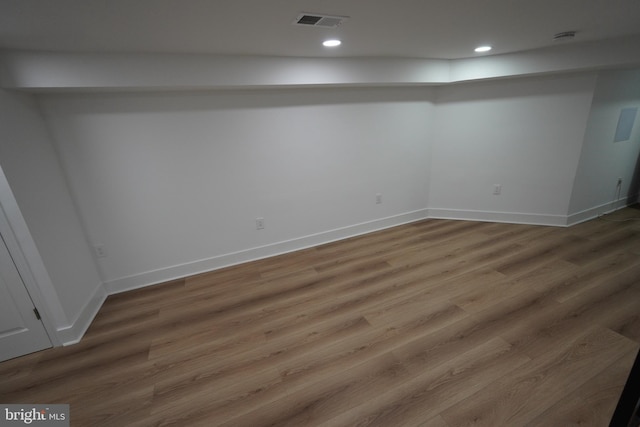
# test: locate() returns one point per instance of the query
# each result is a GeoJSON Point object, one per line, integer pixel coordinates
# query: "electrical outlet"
{"type": "Point", "coordinates": [100, 251]}
{"type": "Point", "coordinates": [259, 223]}
{"type": "Point", "coordinates": [497, 189]}
{"type": "Point", "coordinates": [378, 198]}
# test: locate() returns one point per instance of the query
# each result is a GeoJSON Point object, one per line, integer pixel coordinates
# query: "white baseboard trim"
{"type": "Point", "coordinates": [507, 217]}
{"type": "Point", "coordinates": [188, 269]}
{"type": "Point", "coordinates": [73, 333]}
{"type": "Point", "coordinates": [591, 213]}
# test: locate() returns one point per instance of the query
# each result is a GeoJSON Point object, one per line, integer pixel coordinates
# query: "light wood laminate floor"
{"type": "Point", "coordinates": [435, 323]}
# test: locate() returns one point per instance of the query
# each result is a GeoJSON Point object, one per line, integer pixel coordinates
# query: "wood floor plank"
{"type": "Point", "coordinates": [534, 256]}
{"type": "Point", "coordinates": [604, 305]}
{"type": "Point", "coordinates": [601, 392]}
{"type": "Point", "coordinates": [122, 409]}
{"type": "Point", "coordinates": [569, 411]}
{"type": "Point", "coordinates": [521, 396]}
{"type": "Point", "coordinates": [64, 378]}
{"type": "Point", "coordinates": [628, 326]}
{"type": "Point", "coordinates": [295, 372]}
{"type": "Point", "coordinates": [565, 280]}
{"type": "Point", "coordinates": [593, 403]}
{"type": "Point", "coordinates": [490, 287]}
{"type": "Point", "coordinates": [435, 389]}
{"type": "Point", "coordinates": [618, 241]}
{"type": "Point", "coordinates": [322, 400]}
{"type": "Point", "coordinates": [436, 323]}
{"type": "Point", "coordinates": [339, 297]}
{"type": "Point", "coordinates": [203, 372]}
{"type": "Point", "coordinates": [437, 421]}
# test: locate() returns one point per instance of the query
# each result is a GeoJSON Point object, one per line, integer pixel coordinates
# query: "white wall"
{"type": "Point", "coordinates": [69, 282]}
{"type": "Point", "coordinates": [524, 134]}
{"type": "Point", "coordinates": [171, 184]}
{"type": "Point", "coordinates": [603, 161]}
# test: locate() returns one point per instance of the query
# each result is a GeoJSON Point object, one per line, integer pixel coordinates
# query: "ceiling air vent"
{"type": "Point", "coordinates": [564, 36]}
{"type": "Point", "coordinates": [317, 20]}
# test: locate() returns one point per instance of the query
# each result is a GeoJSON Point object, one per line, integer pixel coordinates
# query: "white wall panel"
{"type": "Point", "coordinates": [603, 161]}
{"type": "Point", "coordinates": [167, 180]}
{"type": "Point", "coordinates": [523, 134]}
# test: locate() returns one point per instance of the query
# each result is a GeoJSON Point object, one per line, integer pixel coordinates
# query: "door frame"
{"type": "Point", "coordinates": [23, 249]}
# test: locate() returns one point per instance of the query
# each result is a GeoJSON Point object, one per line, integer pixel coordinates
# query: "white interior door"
{"type": "Point", "coordinates": [21, 331]}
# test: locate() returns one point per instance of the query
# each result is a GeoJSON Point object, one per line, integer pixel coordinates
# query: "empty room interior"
{"type": "Point", "coordinates": [318, 212]}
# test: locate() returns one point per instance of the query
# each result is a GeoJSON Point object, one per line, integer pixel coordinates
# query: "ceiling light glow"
{"type": "Point", "coordinates": [481, 49]}
{"type": "Point", "coordinates": [331, 43]}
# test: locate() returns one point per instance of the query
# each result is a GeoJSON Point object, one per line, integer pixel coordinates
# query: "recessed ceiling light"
{"type": "Point", "coordinates": [331, 43]}
{"type": "Point", "coordinates": [481, 49]}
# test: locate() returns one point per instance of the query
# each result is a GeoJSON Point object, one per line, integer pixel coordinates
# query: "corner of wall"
{"type": "Point", "coordinates": [53, 257]}
{"type": "Point", "coordinates": [73, 333]}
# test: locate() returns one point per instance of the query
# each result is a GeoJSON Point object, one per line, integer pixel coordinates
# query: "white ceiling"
{"type": "Point", "coordinates": [444, 29]}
